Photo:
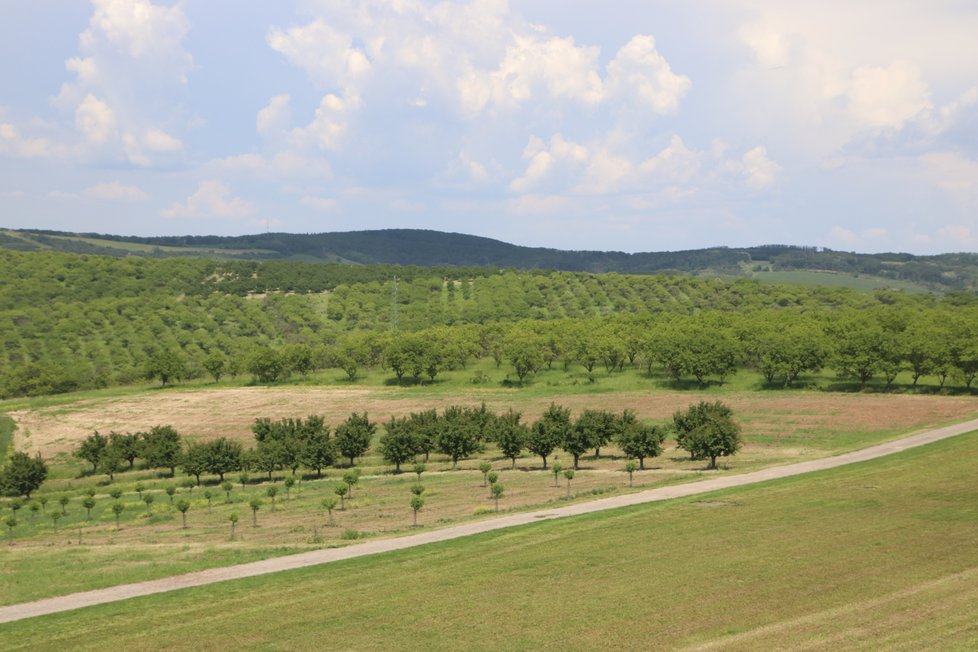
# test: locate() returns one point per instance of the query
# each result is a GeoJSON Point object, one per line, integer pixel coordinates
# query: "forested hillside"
{"type": "Point", "coordinates": [433, 248]}
{"type": "Point", "coordinates": [73, 321]}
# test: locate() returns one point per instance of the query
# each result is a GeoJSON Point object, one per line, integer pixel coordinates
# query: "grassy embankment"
{"type": "Point", "coordinates": [779, 427]}
{"type": "Point", "coordinates": [877, 555]}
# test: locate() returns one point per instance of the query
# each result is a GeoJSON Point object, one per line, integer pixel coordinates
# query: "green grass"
{"type": "Point", "coordinates": [872, 556]}
{"type": "Point", "coordinates": [7, 427]}
{"type": "Point", "coordinates": [807, 278]}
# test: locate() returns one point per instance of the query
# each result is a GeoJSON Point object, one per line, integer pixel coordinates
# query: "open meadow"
{"type": "Point", "coordinates": [876, 555]}
{"type": "Point", "coordinates": [90, 548]}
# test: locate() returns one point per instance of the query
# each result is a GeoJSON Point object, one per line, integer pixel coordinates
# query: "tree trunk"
{"type": "Point", "coordinates": [576, 457]}
{"type": "Point", "coordinates": [713, 461]}
{"type": "Point", "coordinates": [641, 463]}
{"type": "Point", "coordinates": [544, 462]}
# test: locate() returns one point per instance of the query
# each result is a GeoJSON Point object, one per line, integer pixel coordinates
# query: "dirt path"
{"type": "Point", "coordinates": [315, 557]}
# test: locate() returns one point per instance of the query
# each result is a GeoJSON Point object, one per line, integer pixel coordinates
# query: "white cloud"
{"type": "Point", "coordinates": [212, 199]}
{"type": "Point", "coordinates": [138, 27]}
{"type": "Point", "coordinates": [759, 170]}
{"type": "Point", "coordinates": [96, 121]}
{"type": "Point", "coordinates": [115, 191]}
{"type": "Point", "coordinates": [543, 160]}
{"type": "Point", "coordinates": [275, 117]}
{"type": "Point", "coordinates": [127, 77]}
{"type": "Point", "coordinates": [13, 143]}
{"type": "Point", "coordinates": [888, 97]}
{"type": "Point", "coordinates": [639, 70]}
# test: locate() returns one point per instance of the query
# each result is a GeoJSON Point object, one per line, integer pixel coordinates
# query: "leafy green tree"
{"type": "Point", "coordinates": [208, 496]}
{"type": "Point", "coordinates": [116, 493]}
{"type": "Point", "coordinates": [549, 432]}
{"type": "Point", "coordinates": [117, 509]}
{"type": "Point", "coordinates": [417, 502]}
{"type": "Point", "coordinates": [223, 456]}
{"type": "Point", "coordinates": [182, 506]}
{"type": "Point", "coordinates": [63, 501]}
{"type": "Point", "coordinates": [265, 458]}
{"type": "Point", "coordinates": [226, 486]}
{"type": "Point", "coordinates": [215, 364]}
{"type": "Point", "coordinates": [399, 442]}
{"type": "Point", "coordinates": [329, 504]}
{"type": "Point", "coordinates": [92, 449]}
{"type": "Point", "coordinates": [557, 468]}
{"type": "Point", "coordinates": [319, 449]}
{"type": "Point", "coordinates": [195, 459]}
{"type": "Point", "coordinates": [341, 490]}
{"type": "Point", "coordinates": [351, 479]}
{"type": "Point", "coordinates": [497, 492]}
{"type": "Point", "coordinates": [638, 440]}
{"type": "Point", "coordinates": [419, 468]}
{"type": "Point", "coordinates": [354, 435]}
{"type": "Point", "coordinates": [298, 358]}
{"type": "Point", "coordinates": [458, 434]}
{"type": "Point", "coordinates": [23, 474]}
{"type": "Point", "coordinates": [233, 518]}
{"type": "Point", "coordinates": [255, 505]}
{"type": "Point", "coordinates": [111, 462]}
{"type": "Point", "coordinates": [162, 448]}
{"type": "Point", "coordinates": [569, 475]}
{"type": "Point", "coordinates": [170, 491]}
{"type": "Point", "coordinates": [485, 468]}
{"type": "Point", "coordinates": [125, 447]}
{"type": "Point", "coordinates": [148, 499]}
{"type": "Point", "coordinates": [267, 365]}
{"type": "Point", "coordinates": [166, 364]}
{"type": "Point", "coordinates": [271, 492]}
{"type": "Point", "coordinates": [707, 431]}
{"type": "Point", "coordinates": [511, 435]}
{"type": "Point", "coordinates": [630, 468]}
{"type": "Point", "coordinates": [289, 483]}
{"type": "Point", "coordinates": [425, 426]}
{"type": "Point", "coordinates": [525, 353]}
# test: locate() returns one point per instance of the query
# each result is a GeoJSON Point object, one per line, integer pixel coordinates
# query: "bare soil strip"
{"type": "Point", "coordinates": [316, 557]}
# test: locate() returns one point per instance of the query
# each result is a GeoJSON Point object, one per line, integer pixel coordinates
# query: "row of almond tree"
{"type": "Point", "coordinates": [706, 430]}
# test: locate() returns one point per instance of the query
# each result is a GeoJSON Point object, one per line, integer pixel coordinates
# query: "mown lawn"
{"type": "Point", "coordinates": [872, 556]}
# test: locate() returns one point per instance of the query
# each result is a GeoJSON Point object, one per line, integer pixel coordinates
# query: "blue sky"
{"type": "Point", "coordinates": [622, 125]}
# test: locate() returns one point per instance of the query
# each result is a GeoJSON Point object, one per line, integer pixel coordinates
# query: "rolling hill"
{"type": "Point", "coordinates": [428, 248]}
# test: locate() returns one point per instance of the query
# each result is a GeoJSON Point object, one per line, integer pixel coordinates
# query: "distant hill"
{"type": "Point", "coordinates": [423, 247]}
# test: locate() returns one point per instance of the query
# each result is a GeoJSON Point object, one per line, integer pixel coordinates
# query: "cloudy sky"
{"type": "Point", "coordinates": [619, 125]}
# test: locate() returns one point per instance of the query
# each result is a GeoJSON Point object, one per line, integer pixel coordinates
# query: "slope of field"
{"type": "Point", "coordinates": [878, 555]}
{"type": "Point", "coordinates": [815, 421]}
{"type": "Point", "coordinates": [426, 247]}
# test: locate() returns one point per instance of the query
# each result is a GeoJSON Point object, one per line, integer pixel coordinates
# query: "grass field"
{"type": "Point", "coordinates": [874, 556]}
{"type": "Point", "coordinates": [778, 427]}
{"type": "Point", "coordinates": [808, 278]}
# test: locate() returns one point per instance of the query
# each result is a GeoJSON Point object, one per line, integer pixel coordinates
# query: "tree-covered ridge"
{"type": "Point", "coordinates": [430, 248]}
{"type": "Point", "coordinates": [72, 322]}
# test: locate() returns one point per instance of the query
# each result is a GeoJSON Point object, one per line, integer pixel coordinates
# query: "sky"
{"type": "Point", "coordinates": [619, 125]}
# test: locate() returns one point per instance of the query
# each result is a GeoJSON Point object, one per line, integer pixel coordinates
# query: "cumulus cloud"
{"type": "Point", "coordinates": [601, 168]}
{"type": "Point", "coordinates": [212, 199]}
{"type": "Point", "coordinates": [888, 96]}
{"type": "Point", "coordinates": [130, 66]}
{"type": "Point", "coordinates": [115, 191]}
{"type": "Point", "coordinates": [14, 143]}
{"type": "Point", "coordinates": [759, 170]}
{"type": "Point", "coordinates": [639, 70]}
